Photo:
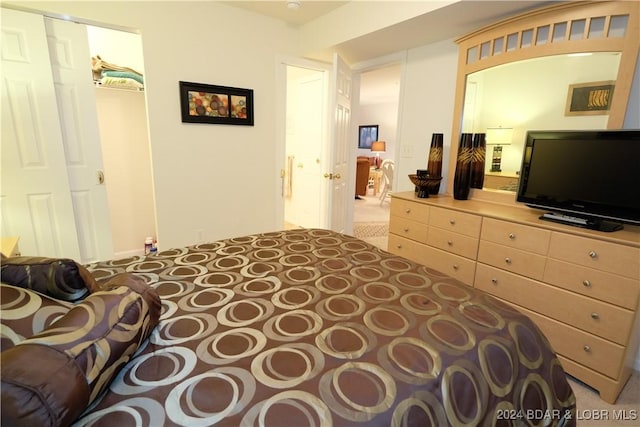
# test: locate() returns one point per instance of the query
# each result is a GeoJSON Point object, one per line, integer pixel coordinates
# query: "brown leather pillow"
{"type": "Point", "coordinates": [41, 386]}
{"type": "Point", "coordinates": [49, 379]}
{"type": "Point", "coordinates": [60, 278]}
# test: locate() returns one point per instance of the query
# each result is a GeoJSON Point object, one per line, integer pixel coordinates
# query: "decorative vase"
{"type": "Point", "coordinates": [477, 162]}
{"type": "Point", "coordinates": [462, 178]}
{"type": "Point", "coordinates": [434, 164]}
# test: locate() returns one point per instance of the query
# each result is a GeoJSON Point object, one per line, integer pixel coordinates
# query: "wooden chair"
{"type": "Point", "coordinates": [387, 179]}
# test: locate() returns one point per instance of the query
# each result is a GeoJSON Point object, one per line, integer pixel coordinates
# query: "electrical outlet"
{"type": "Point", "coordinates": [199, 235]}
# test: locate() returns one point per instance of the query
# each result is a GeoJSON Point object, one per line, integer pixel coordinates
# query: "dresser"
{"type": "Point", "coordinates": [581, 287]}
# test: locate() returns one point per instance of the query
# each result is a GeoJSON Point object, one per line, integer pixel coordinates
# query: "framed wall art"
{"type": "Point", "coordinates": [366, 135]}
{"type": "Point", "coordinates": [203, 103]}
{"type": "Point", "coordinates": [589, 98]}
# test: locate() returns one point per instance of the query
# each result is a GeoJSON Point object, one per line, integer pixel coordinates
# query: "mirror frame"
{"type": "Point", "coordinates": [481, 50]}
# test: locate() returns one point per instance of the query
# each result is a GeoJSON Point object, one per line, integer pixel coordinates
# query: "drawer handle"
{"type": "Point", "coordinates": [512, 236]}
{"type": "Point", "coordinates": [595, 316]}
{"type": "Point", "coordinates": [455, 267]}
{"type": "Point", "coordinates": [586, 283]}
{"type": "Point", "coordinates": [593, 254]}
{"type": "Point", "coordinates": [494, 281]}
{"type": "Point", "coordinates": [449, 242]}
{"type": "Point", "coordinates": [399, 247]}
{"type": "Point", "coordinates": [587, 348]}
{"type": "Point", "coordinates": [507, 260]}
{"type": "Point", "coordinates": [408, 211]}
{"type": "Point", "coordinates": [406, 230]}
{"type": "Point", "coordinates": [452, 221]}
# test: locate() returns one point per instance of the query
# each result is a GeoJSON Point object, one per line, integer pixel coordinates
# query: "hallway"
{"type": "Point", "coordinates": [371, 221]}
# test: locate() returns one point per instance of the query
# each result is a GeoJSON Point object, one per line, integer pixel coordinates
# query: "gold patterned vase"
{"type": "Point", "coordinates": [462, 178]}
{"type": "Point", "coordinates": [477, 162]}
{"type": "Point", "coordinates": [434, 164]}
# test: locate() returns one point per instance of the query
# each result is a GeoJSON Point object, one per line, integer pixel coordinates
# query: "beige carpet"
{"type": "Point", "coordinates": [370, 229]}
{"type": "Point", "coordinates": [595, 412]}
{"type": "Point", "coordinates": [375, 233]}
{"type": "Point", "coordinates": [371, 220]}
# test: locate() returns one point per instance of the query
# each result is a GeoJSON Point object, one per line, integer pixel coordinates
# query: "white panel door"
{"type": "Point", "coordinates": [341, 195]}
{"type": "Point", "coordinates": [36, 200]}
{"type": "Point", "coordinates": [306, 107]}
{"type": "Point", "coordinates": [70, 63]}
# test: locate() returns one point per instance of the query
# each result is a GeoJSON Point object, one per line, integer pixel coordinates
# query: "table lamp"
{"type": "Point", "coordinates": [498, 137]}
{"type": "Point", "coordinates": [378, 147]}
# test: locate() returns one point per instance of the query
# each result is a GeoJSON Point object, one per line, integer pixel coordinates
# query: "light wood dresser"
{"type": "Point", "coordinates": [581, 287]}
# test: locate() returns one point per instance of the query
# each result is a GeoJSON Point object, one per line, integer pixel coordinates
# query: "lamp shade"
{"type": "Point", "coordinates": [499, 136]}
{"type": "Point", "coordinates": [378, 146]}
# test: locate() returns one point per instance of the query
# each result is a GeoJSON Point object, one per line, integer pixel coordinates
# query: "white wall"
{"type": "Point", "coordinates": [426, 107]}
{"type": "Point", "coordinates": [116, 47]}
{"type": "Point", "coordinates": [224, 180]}
{"type": "Point", "coordinates": [385, 115]}
{"type": "Point", "coordinates": [211, 181]}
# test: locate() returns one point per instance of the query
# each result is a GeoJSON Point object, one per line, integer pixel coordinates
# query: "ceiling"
{"type": "Point", "coordinates": [448, 22]}
{"type": "Point", "coordinates": [452, 20]}
{"type": "Point", "coordinates": [308, 10]}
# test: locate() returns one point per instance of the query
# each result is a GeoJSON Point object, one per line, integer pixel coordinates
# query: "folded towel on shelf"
{"type": "Point", "coordinates": [121, 82]}
{"type": "Point", "coordinates": [98, 65]}
{"type": "Point", "coordinates": [124, 74]}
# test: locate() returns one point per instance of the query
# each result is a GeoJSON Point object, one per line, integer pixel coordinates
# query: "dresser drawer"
{"type": "Point", "coordinates": [596, 317]}
{"type": "Point", "coordinates": [449, 241]}
{"type": "Point", "coordinates": [596, 284]}
{"type": "Point", "coordinates": [407, 248]}
{"type": "Point", "coordinates": [459, 222]}
{"type": "Point", "coordinates": [605, 256]}
{"type": "Point", "coordinates": [410, 210]}
{"type": "Point", "coordinates": [410, 229]}
{"type": "Point", "coordinates": [581, 347]}
{"type": "Point", "coordinates": [452, 265]}
{"type": "Point", "coordinates": [517, 236]}
{"type": "Point", "coordinates": [514, 260]}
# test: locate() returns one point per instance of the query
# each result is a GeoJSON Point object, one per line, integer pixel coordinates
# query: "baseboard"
{"type": "Point", "coordinates": [128, 254]}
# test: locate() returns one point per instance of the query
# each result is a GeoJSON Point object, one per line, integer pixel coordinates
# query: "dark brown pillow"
{"type": "Point", "coordinates": [26, 313]}
{"type": "Point", "coordinates": [41, 386]}
{"type": "Point", "coordinates": [50, 379]}
{"type": "Point", "coordinates": [60, 278]}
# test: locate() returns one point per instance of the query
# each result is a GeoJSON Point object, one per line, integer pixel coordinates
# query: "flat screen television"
{"type": "Point", "coordinates": [586, 178]}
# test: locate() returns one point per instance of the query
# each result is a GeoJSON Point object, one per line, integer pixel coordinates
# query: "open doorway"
{"type": "Point", "coordinates": [378, 105]}
{"type": "Point", "coordinates": [122, 122]}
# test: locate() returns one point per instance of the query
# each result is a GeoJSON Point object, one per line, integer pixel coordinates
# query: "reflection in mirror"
{"type": "Point", "coordinates": [531, 95]}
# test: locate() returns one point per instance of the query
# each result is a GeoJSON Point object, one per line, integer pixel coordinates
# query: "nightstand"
{"type": "Point", "coordinates": [9, 246]}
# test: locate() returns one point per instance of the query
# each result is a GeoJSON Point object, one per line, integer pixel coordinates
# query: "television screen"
{"type": "Point", "coordinates": [589, 177]}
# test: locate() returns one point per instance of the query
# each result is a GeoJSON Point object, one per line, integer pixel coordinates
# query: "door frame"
{"type": "Point", "coordinates": [359, 68]}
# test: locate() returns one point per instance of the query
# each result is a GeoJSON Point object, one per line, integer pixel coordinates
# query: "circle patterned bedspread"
{"type": "Point", "coordinates": [316, 328]}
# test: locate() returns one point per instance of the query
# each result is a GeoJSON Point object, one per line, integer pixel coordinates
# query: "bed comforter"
{"type": "Point", "coordinates": [316, 328]}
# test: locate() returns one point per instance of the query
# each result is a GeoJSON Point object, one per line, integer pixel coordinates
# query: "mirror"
{"type": "Point", "coordinates": [497, 97]}
{"type": "Point", "coordinates": [550, 51]}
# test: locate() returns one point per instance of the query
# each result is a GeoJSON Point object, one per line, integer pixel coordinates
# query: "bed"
{"type": "Point", "coordinates": [310, 327]}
